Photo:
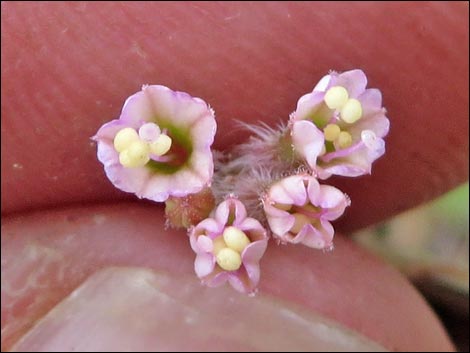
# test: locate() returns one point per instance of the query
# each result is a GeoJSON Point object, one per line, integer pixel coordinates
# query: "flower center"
{"type": "Point", "coordinates": [340, 139]}
{"type": "Point", "coordinates": [135, 149]}
{"type": "Point", "coordinates": [350, 109]}
{"type": "Point", "coordinates": [228, 247]}
{"type": "Point", "coordinates": [306, 214]}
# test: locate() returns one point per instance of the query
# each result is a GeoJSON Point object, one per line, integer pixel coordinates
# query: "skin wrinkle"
{"type": "Point", "coordinates": [68, 67]}
{"type": "Point", "coordinates": [86, 246]}
{"type": "Point", "coordinates": [70, 96]}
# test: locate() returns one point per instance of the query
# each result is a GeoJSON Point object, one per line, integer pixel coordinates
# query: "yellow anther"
{"type": "Point", "coordinates": [161, 146]}
{"type": "Point", "coordinates": [137, 155]}
{"type": "Point", "coordinates": [235, 239]}
{"type": "Point", "coordinates": [124, 138]}
{"type": "Point", "coordinates": [228, 259]}
{"type": "Point", "coordinates": [300, 221]}
{"type": "Point", "coordinates": [218, 244]}
{"type": "Point", "coordinates": [283, 206]}
{"type": "Point", "coordinates": [344, 139]}
{"type": "Point", "coordinates": [125, 160]}
{"type": "Point", "coordinates": [351, 111]}
{"type": "Point", "coordinates": [336, 97]}
{"type": "Point", "coordinates": [331, 132]}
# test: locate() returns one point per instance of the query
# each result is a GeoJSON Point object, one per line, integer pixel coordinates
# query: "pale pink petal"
{"type": "Point", "coordinates": [280, 222]}
{"type": "Point", "coordinates": [371, 101]}
{"type": "Point", "coordinates": [323, 84]}
{"type": "Point", "coordinates": [125, 179]}
{"type": "Point", "coordinates": [107, 132]}
{"type": "Point", "coordinates": [204, 264]}
{"type": "Point", "coordinates": [329, 197]}
{"type": "Point", "coordinates": [308, 105]}
{"type": "Point", "coordinates": [254, 251]}
{"type": "Point", "coordinates": [313, 190]}
{"type": "Point", "coordinates": [203, 129]}
{"type": "Point", "coordinates": [230, 205]}
{"type": "Point", "coordinates": [201, 163]}
{"type": "Point", "coordinates": [253, 274]}
{"type": "Point", "coordinates": [308, 141]}
{"type": "Point", "coordinates": [355, 82]}
{"type": "Point", "coordinates": [239, 284]}
{"type": "Point", "coordinates": [210, 227]}
{"type": "Point", "coordinates": [137, 110]}
{"type": "Point", "coordinates": [204, 243]}
{"type": "Point", "coordinates": [314, 237]}
{"type": "Point", "coordinates": [333, 201]}
{"type": "Point", "coordinates": [253, 228]}
{"type": "Point", "coordinates": [345, 168]}
{"type": "Point", "coordinates": [216, 278]}
{"type": "Point", "coordinates": [290, 190]}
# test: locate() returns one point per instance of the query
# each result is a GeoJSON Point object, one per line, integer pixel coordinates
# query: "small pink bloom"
{"type": "Point", "coordinates": [160, 145]}
{"type": "Point", "coordinates": [229, 247]}
{"type": "Point", "coordinates": [338, 128]}
{"type": "Point", "coordinates": [298, 210]}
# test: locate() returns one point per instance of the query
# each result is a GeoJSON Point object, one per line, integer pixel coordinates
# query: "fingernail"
{"type": "Point", "coordinates": [134, 309]}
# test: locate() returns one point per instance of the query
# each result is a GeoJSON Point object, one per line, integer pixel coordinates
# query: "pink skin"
{"type": "Point", "coordinates": [66, 68]}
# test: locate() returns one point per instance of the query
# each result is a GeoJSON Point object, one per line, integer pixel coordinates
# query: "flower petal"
{"type": "Point", "coordinates": [204, 264]}
{"type": "Point", "coordinates": [290, 190]}
{"type": "Point", "coordinates": [210, 227]}
{"type": "Point", "coordinates": [254, 251]}
{"type": "Point", "coordinates": [317, 238]}
{"type": "Point", "coordinates": [137, 110]}
{"type": "Point", "coordinates": [329, 197]}
{"type": "Point", "coordinates": [204, 243]}
{"type": "Point", "coordinates": [280, 222]}
{"type": "Point", "coordinates": [203, 129]}
{"type": "Point", "coordinates": [308, 105]}
{"type": "Point", "coordinates": [371, 101]}
{"type": "Point", "coordinates": [323, 84]}
{"type": "Point", "coordinates": [355, 82]}
{"type": "Point", "coordinates": [230, 205]}
{"type": "Point", "coordinates": [108, 131]}
{"type": "Point", "coordinates": [308, 141]}
{"type": "Point", "coordinates": [253, 228]}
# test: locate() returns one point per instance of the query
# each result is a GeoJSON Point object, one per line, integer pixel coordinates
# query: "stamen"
{"type": "Point", "coordinates": [149, 132]}
{"type": "Point", "coordinates": [336, 97]}
{"type": "Point", "coordinates": [300, 221]}
{"type": "Point", "coordinates": [228, 259]}
{"type": "Point", "coordinates": [344, 139]}
{"type": "Point", "coordinates": [235, 239]}
{"type": "Point", "coordinates": [218, 244]}
{"type": "Point", "coordinates": [136, 155]}
{"type": "Point", "coordinates": [161, 146]}
{"type": "Point", "coordinates": [124, 138]}
{"type": "Point", "coordinates": [351, 111]}
{"type": "Point", "coordinates": [331, 132]}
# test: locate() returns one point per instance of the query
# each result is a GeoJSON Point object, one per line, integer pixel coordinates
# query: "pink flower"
{"type": "Point", "coordinates": [229, 247]}
{"type": "Point", "coordinates": [298, 210]}
{"type": "Point", "coordinates": [338, 128]}
{"type": "Point", "coordinates": [160, 145]}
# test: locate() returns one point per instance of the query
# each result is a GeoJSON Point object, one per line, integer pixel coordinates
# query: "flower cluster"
{"type": "Point", "coordinates": [160, 149]}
